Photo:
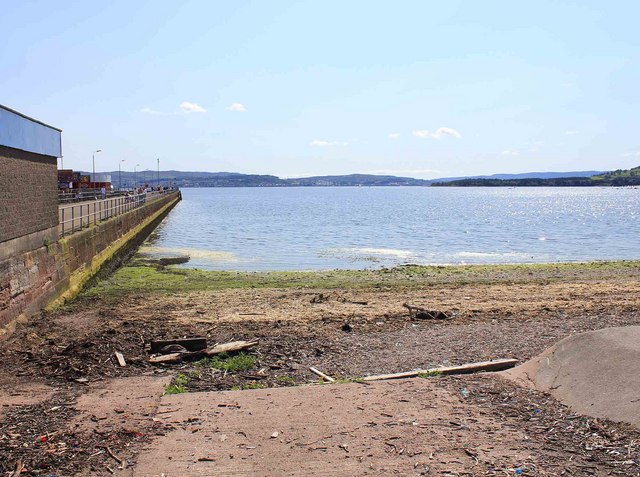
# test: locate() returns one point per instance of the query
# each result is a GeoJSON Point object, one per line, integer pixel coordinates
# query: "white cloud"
{"type": "Point", "coordinates": [320, 143]}
{"type": "Point", "coordinates": [632, 154]}
{"type": "Point", "coordinates": [237, 107]}
{"type": "Point", "coordinates": [440, 132]}
{"type": "Point", "coordinates": [188, 107]}
{"type": "Point", "coordinates": [150, 111]}
{"type": "Point", "coordinates": [570, 132]}
{"type": "Point", "coordinates": [507, 152]}
{"type": "Point", "coordinates": [394, 135]}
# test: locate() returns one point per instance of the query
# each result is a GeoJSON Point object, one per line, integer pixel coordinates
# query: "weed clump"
{"type": "Point", "coordinates": [178, 386]}
{"type": "Point", "coordinates": [231, 364]}
{"type": "Point", "coordinates": [286, 380]}
{"type": "Point", "coordinates": [429, 374]}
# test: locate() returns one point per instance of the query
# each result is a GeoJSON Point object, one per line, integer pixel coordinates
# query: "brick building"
{"type": "Point", "coordinates": [28, 175]}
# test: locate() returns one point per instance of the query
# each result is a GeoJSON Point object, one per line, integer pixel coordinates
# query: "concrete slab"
{"type": "Point", "coordinates": [408, 427]}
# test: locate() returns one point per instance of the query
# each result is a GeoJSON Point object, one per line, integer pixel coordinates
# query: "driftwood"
{"type": "Point", "coordinates": [322, 375]}
{"type": "Point", "coordinates": [190, 344]}
{"type": "Point", "coordinates": [228, 347]}
{"type": "Point", "coordinates": [120, 358]}
{"type": "Point", "coordinates": [496, 365]}
{"type": "Point", "coordinates": [217, 349]}
{"type": "Point", "coordinates": [113, 456]}
{"type": "Point", "coordinates": [424, 314]}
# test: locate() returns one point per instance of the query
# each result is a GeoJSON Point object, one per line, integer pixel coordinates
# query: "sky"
{"type": "Point", "coordinates": [297, 88]}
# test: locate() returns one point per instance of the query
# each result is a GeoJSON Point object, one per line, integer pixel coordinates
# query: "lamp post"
{"type": "Point", "coordinates": [158, 172]}
{"type": "Point", "coordinates": [93, 179]}
{"type": "Point", "coordinates": [120, 174]}
{"type": "Point", "coordinates": [135, 176]}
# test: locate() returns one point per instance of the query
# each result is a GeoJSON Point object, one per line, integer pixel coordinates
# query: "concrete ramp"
{"type": "Point", "coordinates": [595, 373]}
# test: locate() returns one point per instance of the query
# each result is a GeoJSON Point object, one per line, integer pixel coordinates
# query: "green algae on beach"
{"type": "Point", "coordinates": [141, 278]}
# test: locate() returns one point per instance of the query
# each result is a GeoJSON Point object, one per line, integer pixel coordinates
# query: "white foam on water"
{"type": "Point", "coordinates": [491, 255]}
{"type": "Point", "coordinates": [194, 253]}
{"type": "Point", "coordinates": [367, 251]}
{"type": "Point", "coordinates": [387, 252]}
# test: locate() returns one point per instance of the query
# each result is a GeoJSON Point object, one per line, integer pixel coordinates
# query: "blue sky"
{"type": "Point", "coordinates": [417, 88]}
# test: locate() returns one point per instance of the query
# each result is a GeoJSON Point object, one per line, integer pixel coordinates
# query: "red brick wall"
{"type": "Point", "coordinates": [28, 193]}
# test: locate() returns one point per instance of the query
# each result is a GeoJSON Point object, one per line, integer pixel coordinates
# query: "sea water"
{"type": "Point", "coordinates": [312, 228]}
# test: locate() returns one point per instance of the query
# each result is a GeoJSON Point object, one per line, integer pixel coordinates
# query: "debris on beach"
{"type": "Point", "coordinates": [416, 312]}
{"type": "Point", "coordinates": [203, 353]}
{"type": "Point", "coordinates": [187, 344]}
{"type": "Point", "coordinates": [322, 375]}
{"type": "Point", "coordinates": [495, 365]}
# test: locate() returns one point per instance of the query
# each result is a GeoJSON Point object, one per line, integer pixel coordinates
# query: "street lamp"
{"type": "Point", "coordinates": [158, 172]}
{"type": "Point", "coordinates": [120, 174]}
{"type": "Point", "coordinates": [93, 179]}
{"type": "Point", "coordinates": [135, 176]}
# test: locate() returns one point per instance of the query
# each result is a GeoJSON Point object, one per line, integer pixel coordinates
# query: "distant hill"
{"type": "Point", "coordinates": [357, 180]}
{"type": "Point", "coordinates": [620, 177]}
{"type": "Point", "coordinates": [195, 179]}
{"type": "Point", "coordinates": [524, 175]}
{"type": "Point", "coordinates": [235, 179]}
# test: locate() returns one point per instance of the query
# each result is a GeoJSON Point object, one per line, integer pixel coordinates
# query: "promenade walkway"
{"type": "Point", "coordinates": [81, 215]}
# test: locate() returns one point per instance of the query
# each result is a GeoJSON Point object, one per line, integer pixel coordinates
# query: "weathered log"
{"type": "Point", "coordinates": [168, 358]}
{"type": "Point", "coordinates": [228, 347]}
{"type": "Point", "coordinates": [217, 349]}
{"type": "Point", "coordinates": [322, 375]}
{"type": "Point", "coordinates": [190, 344]}
{"type": "Point", "coordinates": [497, 365]}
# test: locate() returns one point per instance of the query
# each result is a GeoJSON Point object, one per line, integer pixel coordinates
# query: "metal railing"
{"type": "Point", "coordinates": [73, 218]}
{"type": "Point", "coordinates": [83, 195]}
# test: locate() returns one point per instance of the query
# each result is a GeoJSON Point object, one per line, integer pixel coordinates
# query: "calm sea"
{"type": "Point", "coordinates": [308, 228]}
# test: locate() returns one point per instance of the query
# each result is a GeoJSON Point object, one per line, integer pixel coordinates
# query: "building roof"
{"type": "Point", "coordinates": [28, 117]}
{"type": "Point", "coordinates": [19, 131]}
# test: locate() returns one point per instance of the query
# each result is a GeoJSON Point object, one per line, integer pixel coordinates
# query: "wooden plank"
{"type": "Point", "coordinates": [229, 347]}
{"type": "Point", "coordinates": [120, 358]}
{"type": "Point", "coordinates": [167, 358]}
{"type": "Point", "coordinates": [407, 374]}
{"type": "Point", "coordinates": [496, 365]}
{"type": "Point", "coordinates": [190, 344]}
{"type": "Point", "coordinates": [322, 375]}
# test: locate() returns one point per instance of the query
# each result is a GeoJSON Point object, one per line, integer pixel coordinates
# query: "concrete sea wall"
{"type": "Point", "coordinates": [39, 270]}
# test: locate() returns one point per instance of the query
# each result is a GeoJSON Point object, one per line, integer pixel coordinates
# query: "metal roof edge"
{"type": "Point", "coordinates": [29, 118]}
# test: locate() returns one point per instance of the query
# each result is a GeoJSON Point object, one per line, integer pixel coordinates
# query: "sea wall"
{"type": "Point", "coordinates": [37, 271]}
